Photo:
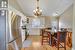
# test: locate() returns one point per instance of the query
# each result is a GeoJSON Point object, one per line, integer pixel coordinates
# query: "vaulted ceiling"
{"type": "Point", "coordinates": [48, 6]}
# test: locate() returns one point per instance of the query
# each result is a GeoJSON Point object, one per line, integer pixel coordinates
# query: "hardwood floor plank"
{"type": "Point", "coordinates": [36, 44]}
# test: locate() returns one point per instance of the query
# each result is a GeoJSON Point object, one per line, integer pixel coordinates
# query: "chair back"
{"type": "Point", "coordinates": [62, 36]}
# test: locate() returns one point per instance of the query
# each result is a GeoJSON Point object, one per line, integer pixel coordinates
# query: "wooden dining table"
{"type": "Point", "coordinates": [54, 34]}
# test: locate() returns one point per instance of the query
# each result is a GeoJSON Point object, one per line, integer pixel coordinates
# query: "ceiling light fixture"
{"type": "Point", "coordinates": [4, 4]}
{"type": "Point", "coordinates": [37, 11]}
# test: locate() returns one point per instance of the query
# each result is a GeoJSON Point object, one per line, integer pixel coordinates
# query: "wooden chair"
{"type": "Point", "coordinates": [45, 37]}
{"type": "Point", "coordinates": [60, 40]}
{"type": "Point", "coordinates": [69, 39]}
{"type": "Point", "coordinates": [53, 39]}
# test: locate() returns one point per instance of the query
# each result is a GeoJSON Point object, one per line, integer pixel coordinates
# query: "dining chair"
{"type": "Point", "coordinates": [60, 39]}
{"type": "Point", "coordinates": [45, 37]}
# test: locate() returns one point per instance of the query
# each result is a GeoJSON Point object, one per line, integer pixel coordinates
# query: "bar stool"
{"type": "Point", "coordinates": [61, 40]}
{"type": "Point", "coordinates": [45, 37]}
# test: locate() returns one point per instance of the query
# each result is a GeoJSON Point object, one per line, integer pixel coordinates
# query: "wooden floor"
{"type": "Point", "coordinates": [36, 44]}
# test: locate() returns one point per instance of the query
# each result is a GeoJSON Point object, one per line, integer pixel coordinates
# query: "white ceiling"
{"type": "Point", "coordinates": [48, 6]}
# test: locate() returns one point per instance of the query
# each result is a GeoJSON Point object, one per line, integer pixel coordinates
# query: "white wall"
{"type": "Point", "coordinates": [36, 30]}
{"type": "Point", "coordinates": [66, 18]}
{"type": "Point", "coordinates": [73, 36]}
{"type": "Point", "coordinates": [55, 22]}
{"type": "Point", "coordinates": [47, 21]}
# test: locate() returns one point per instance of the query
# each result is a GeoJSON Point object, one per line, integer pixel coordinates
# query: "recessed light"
{"type": "Point", "coordinates": [3, 4]}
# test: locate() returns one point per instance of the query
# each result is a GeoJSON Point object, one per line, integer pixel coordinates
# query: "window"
{"type": "Point", "coordinates": [37, 22]}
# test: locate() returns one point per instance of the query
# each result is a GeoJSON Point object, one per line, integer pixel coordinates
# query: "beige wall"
{"type": "Point", "coordinates": [66, 18]}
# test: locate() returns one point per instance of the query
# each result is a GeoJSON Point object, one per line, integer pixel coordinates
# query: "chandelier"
{"type": "Point", "coordinates": [37, 11]}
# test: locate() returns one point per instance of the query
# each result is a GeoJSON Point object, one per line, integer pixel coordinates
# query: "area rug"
{"type": "Point", "coordinates": [27, 43]}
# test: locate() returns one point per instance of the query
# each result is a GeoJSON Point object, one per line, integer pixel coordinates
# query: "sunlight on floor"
{"type": "Point", "coordinates": [37, 44]}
